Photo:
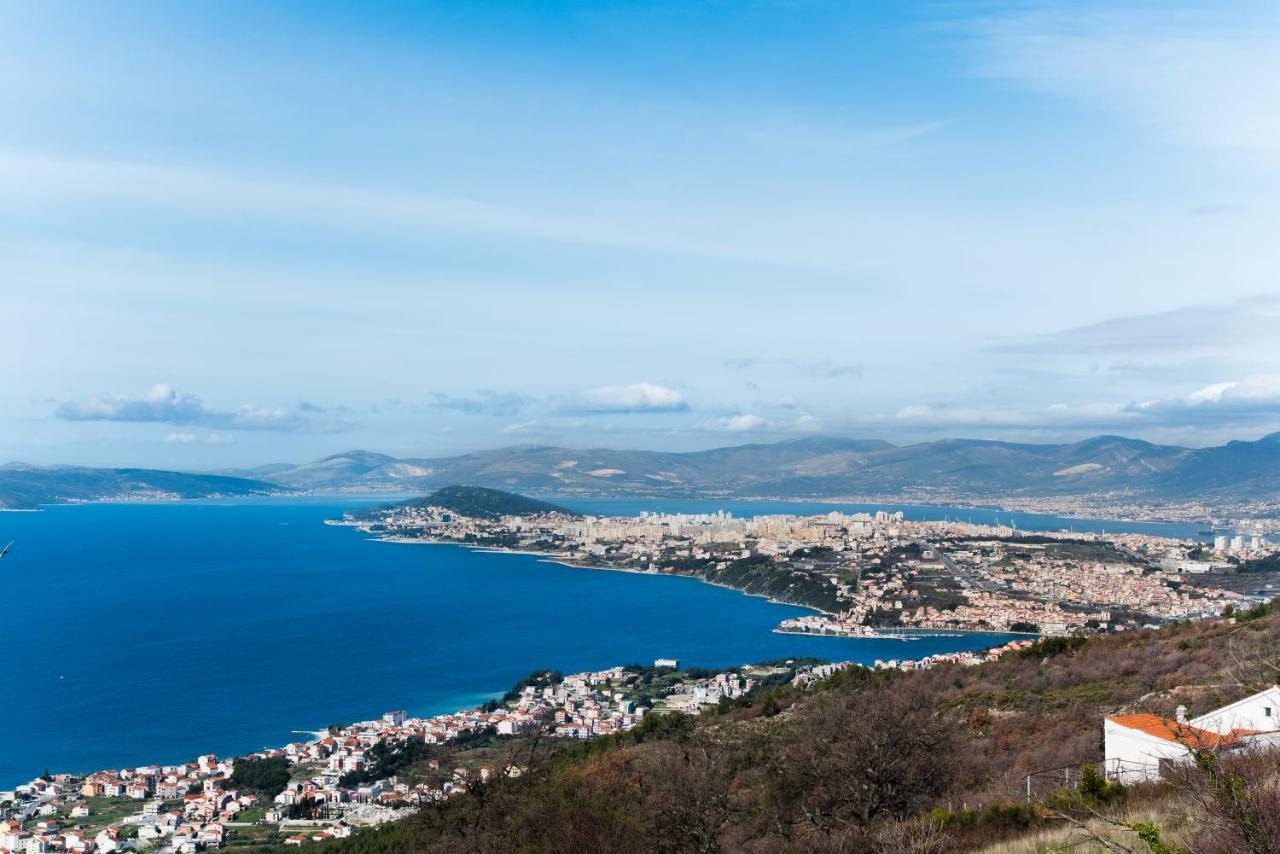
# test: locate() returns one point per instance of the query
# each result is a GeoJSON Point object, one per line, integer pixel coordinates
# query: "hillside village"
{"type": "Point", "coordinates": [350, 776]}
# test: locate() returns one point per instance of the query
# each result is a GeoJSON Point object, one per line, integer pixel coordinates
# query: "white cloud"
{"type": "Point", "coordinates": [164, 404]}
{"type": "Point", "coordinates": [181, 438]}
{"type": "Point", "coordinates": [743, 423]}
{"type": "Point", "coordinates": [806, 422]}
{"type": "Point", "coordinates": [639, 397]}
{"type": "Point", "coordinates": [1253, 399]}
{"type": "Point", "coordinates": [748, 422]}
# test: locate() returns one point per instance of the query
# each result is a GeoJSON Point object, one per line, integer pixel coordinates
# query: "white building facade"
{"type": "Point", "coordinates": [1143, 747]}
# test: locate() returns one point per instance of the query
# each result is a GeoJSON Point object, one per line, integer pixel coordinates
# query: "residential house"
{"type": "Point", "coordinates": [1142, 747]}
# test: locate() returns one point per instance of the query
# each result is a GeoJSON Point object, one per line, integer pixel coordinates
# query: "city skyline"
{"type": "Point", "coordinates": [238, 234]}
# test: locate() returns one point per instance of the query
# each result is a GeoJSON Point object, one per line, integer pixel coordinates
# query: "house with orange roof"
{"type": "Point", "coordinates": [1142, 747]}
{"type": "Point", "coordinates": [12, 836]}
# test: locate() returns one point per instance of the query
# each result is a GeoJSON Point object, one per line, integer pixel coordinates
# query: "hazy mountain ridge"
{"type": "Point", "coordinates": [814, 467]}
{"type": "Point", "coordinates": [26, 487]}
{"type": "Point", "coordinates": [828, 466]}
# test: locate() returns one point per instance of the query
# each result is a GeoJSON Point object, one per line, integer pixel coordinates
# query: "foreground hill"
{"type": "Point", "coordinates": [930, 761]}
{"type": "Point", "coordinates": [827, 467]}
{"type": "Point", "coordinates": [26, 487]}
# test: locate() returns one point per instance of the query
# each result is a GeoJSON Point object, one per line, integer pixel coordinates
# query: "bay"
{"type": "Point", "coordinates": [141, 633]}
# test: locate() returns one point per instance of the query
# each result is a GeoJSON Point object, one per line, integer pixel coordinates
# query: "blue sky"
{"type": "Point", "coordinates": [235, 233]}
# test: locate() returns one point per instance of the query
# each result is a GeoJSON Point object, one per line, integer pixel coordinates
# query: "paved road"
{"type": "Point", "coordinates": [966, 576]}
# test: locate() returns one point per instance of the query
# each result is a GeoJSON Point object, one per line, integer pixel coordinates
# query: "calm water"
{"type": "Point", "coordinates": [153, 633]}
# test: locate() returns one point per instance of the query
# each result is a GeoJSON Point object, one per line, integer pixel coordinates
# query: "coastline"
{"type": "Point", "coordinates": [553, 557]}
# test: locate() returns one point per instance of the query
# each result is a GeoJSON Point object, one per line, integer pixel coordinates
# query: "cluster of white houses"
{"type": "Point", "coordinates": [1142, 747]}
{"type": "Point", "coordinates": [189, 807]}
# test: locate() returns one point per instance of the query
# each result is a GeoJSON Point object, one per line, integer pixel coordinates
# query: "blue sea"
{"type": "Point", "coordinates": [141, 633]}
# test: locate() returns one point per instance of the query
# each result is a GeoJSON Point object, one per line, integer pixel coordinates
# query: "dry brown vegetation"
{"type": "Point", "coordinates": [928, 761]}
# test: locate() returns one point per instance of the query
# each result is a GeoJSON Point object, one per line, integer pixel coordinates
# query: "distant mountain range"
{"type": "Point", "coordinates": [25, 487]}
{"type": "Point", "coordinates": [822, 467]}
{"type": "Point", "coordinates": [802, 468]}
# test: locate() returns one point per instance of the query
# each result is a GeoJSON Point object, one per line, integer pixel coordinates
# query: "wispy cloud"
{"type": "Point", "coordinates": [1218, 326]}
{"type": "Point", "coordinates": [826, 369]}
{"type": "Point", "coordinates": [207, 191]}
{"type": "Point", "coordinates": [794, 132]}
{"type": "Point", "coordinates": [164, 404]}
{"type": "Point", "coordinates": [1226, 406]}
{"type": "Point", "coordinates": [1197, 74]}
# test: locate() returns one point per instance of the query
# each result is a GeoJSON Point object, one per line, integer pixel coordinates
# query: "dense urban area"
{"type": "Point", "coordinates": [879, 573]}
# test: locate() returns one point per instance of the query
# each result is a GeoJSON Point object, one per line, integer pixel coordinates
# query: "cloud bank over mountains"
{"type": "Point", "coordinates": [164, 404]}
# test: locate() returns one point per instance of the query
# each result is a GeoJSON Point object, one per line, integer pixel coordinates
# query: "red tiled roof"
{"type": "Point", "coordinates": [1184, 734]}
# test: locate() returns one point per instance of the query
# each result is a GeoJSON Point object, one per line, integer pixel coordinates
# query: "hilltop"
{"type": "Point", "coordinates": [482, 503]}
{"type": "Point", "coordinates": [858, 761]}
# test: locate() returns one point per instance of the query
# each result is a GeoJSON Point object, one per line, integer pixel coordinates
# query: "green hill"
{"type": "Point", "coordinates": [483, 503]}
